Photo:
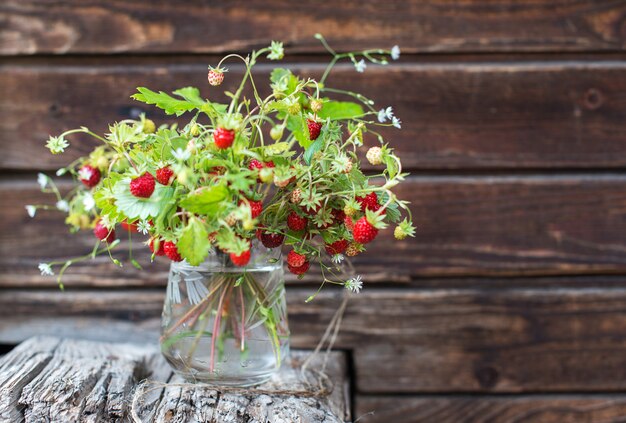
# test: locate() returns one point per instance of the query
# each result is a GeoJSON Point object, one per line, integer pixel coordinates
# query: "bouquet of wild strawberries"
{"type": "Point", "coordinates": [283, 169]}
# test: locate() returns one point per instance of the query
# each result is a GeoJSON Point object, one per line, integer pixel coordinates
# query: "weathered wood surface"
{"type": "Point", "coordinates": [491, 225]}
{"type": "Point", "coordinates": [49, 379]}
{"type": "Point", "coordinates": [402, 340]}
{"type": "Point", "coordinates": [479, 409]}
{"type": "Point", "coordinates": [457, 115]}
{"type": "Point", "coordinates": [38, 27]}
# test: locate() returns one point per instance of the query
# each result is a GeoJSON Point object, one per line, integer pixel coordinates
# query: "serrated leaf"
{"type": "Point", "coordinates": [207, 201]}
{"type": "Point", "coordinates": [162, 100]}
{"type": "Point", "coordinates": [340, 110]}
{"type": "Point", "coordinates": [193, 243]}
{"type": "Point", "coordinates": [143, 208]}
{"type": "Point", "coordinates": [276, 148]}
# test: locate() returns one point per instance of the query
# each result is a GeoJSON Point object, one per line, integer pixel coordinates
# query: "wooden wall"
{"type": "Point", "coordinates": [510, 304]}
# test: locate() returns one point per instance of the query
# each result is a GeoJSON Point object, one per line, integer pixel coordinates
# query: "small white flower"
{"type": "Point", "coordinates": [277, 51]}
{"type": "Point", "coordinates": [181, 155]}
{"type": "Point", "coordinates": [360, 66]}
{"type": "Point", "coordinates": [396, 122]}
{"type": "Point", "coordinates": [88, 202]}
{"type": "Point", "coordinates": [57, 145]}
{"type": "Point", "coordinates": [143, 227]}
{"type": "Point", "coordinates": [42, 180]}
{"type": "Point", "coordinates": [385, 114]}
{"type": "Point", "coordinates": [355, 284]}
{"type": "Point", "coordinates": [45, 269]}
{"type": "Point", "coordinates": [85, 173]}
{"type": "Point", "coordinates": [61, 171]}
{"type": "Point", "coordinates": [105, 221]}
{"type": "Point", "coordinates": [31, 210]}
{"type": "Point", "coordinates": [337, 258]}
{"type": "Point", "coordinates": [395, 52]}
{"type": "Point", "coordinates": [63, 205]}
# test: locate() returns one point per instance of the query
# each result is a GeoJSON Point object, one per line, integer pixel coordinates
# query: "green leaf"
{"type": "Point", "coordinates": [392, 166]}
{"type": "Point", "coordinates": [194, 243]}
{"type": "Point", "coordinates": [166, 102]}
{"type": "Point", "coordinates": [340, 110]}
{"type": "Point", "coordinates": [297, 125]}
{"type": "Point", "coordinates": [143, 208]}
{"type": "Point", "coordinates": [207, 201]}
{"type": "Point", "coordinates": [276, 148]}
{"type": "Point", "coordinates": [313, 148]}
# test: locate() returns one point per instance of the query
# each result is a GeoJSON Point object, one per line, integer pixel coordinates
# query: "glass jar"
{"type": "Point", "coordinates": [223, 324]}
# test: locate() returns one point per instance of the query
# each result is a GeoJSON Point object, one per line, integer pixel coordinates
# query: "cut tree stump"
{"type": "Point", "coordinates": [62, 380]}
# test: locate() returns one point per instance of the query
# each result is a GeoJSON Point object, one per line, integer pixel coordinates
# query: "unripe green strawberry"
{"type": "Point", "coordinates": [148, 126]}
{"type": "Point", "coordinates": [399, 233]}
{"type": "Point", "coordinates": [294, 108]}
{"type": "Point", "coordinates": [195, 130]}
{"type": "Point", "coordinates": [277, 132]}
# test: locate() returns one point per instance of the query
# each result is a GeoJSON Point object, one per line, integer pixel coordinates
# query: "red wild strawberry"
{"type": "Point", "coordinates": [295, 259]}
{"type": "Point", "coordinates": [296, 222]}
{"type": "Point", "coordinates": [171, 251]}
{"type": "Point", "coordinates": [161, 250]}
{"type": "Point", "coordinates": [130, 227]}
{"type": "Point", "coordinates": [103, 233]}
{"type": "Point", "coordinates": [269, 164]}
{"type": "Point", "coordinates": [165, 175]}
{"type": "Point", "coordinates": [240, 259]}
{"type": "Point", "coordinates": [89, 176]}
{"type": "Point", "coordinates": [363, 231]}
{"type": "Point", "coordinates": [337, 247]}
{"type": "Point", "coordinates": [215, 76]}
{"type": "Point", "coordinates": [270, 240]}
{"type": "Point", "coordinates": [368, 202]}
{"type": "Point", "coordinates": [223, 137]}
{"type": "Point", "coordinates": [348, 222]}
{"type": "Point", "coordinates": [142, 186]}
{"type": "Point", "coordinates": [314, 129]}
{"type": "Point", "coordinates": [255, 165]}
{"type": "Point", "coordinates": [301, 270]}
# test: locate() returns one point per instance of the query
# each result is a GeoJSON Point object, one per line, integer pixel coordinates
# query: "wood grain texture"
{"type": "Point", "coordinates": [50, 379]}
{"type": "Point", "coordinates": [481, 226]}
{"type": "Point", "coordinates": [479, 409]}
{"type": "Point", "coordinates": [37, 27]}
{"type": "Point", "coordinates": [403, 341]}
{"type": "Point", "coordinates": [474, 115]}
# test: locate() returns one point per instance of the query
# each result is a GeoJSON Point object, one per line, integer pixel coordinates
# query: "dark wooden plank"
{"type": "Point", "coordinates": [416, 341]}
{"type": "Point", "coordinates": [36, 27]}
{"type": "Point", "coordinates": [494, 226]}
{"type": "Point", "coordinates": [492, 409]}
{"type": "Point", "coordinates": [478, 115]}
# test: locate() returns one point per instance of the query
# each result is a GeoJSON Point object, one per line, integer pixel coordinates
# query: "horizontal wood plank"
{"type": "Point", "coordinates": [416, 341]}
{"type": "Point", "coordinates": [484, 226]}
{"type": "Point", "coordinates": [478, 115]}
{"type": "Point", "coordinates": [100, 27]}
{"type": "Point", "coordinates": [492, 409]}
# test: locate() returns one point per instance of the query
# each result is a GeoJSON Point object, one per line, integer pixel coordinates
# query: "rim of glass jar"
{"type": "Point", "coordinates": [261, 257]}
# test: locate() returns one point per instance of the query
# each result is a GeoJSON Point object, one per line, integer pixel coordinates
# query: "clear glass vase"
{"type": "Point", "coordinates": [226, 325]}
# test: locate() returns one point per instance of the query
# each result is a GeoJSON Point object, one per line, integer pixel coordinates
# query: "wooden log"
{"type": "Point", "coordinates": [93, 382]}
{"type": "Point", "coordinates": [459, 115]}
{"type": "Point", "coordinates": [34, 27]}
{"type": "Point", "coordinates": [474, 409]}
{"type": "Point", "coordinates": [495, 226]}
{"type": "Point", "coordinates": [505, 340]}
